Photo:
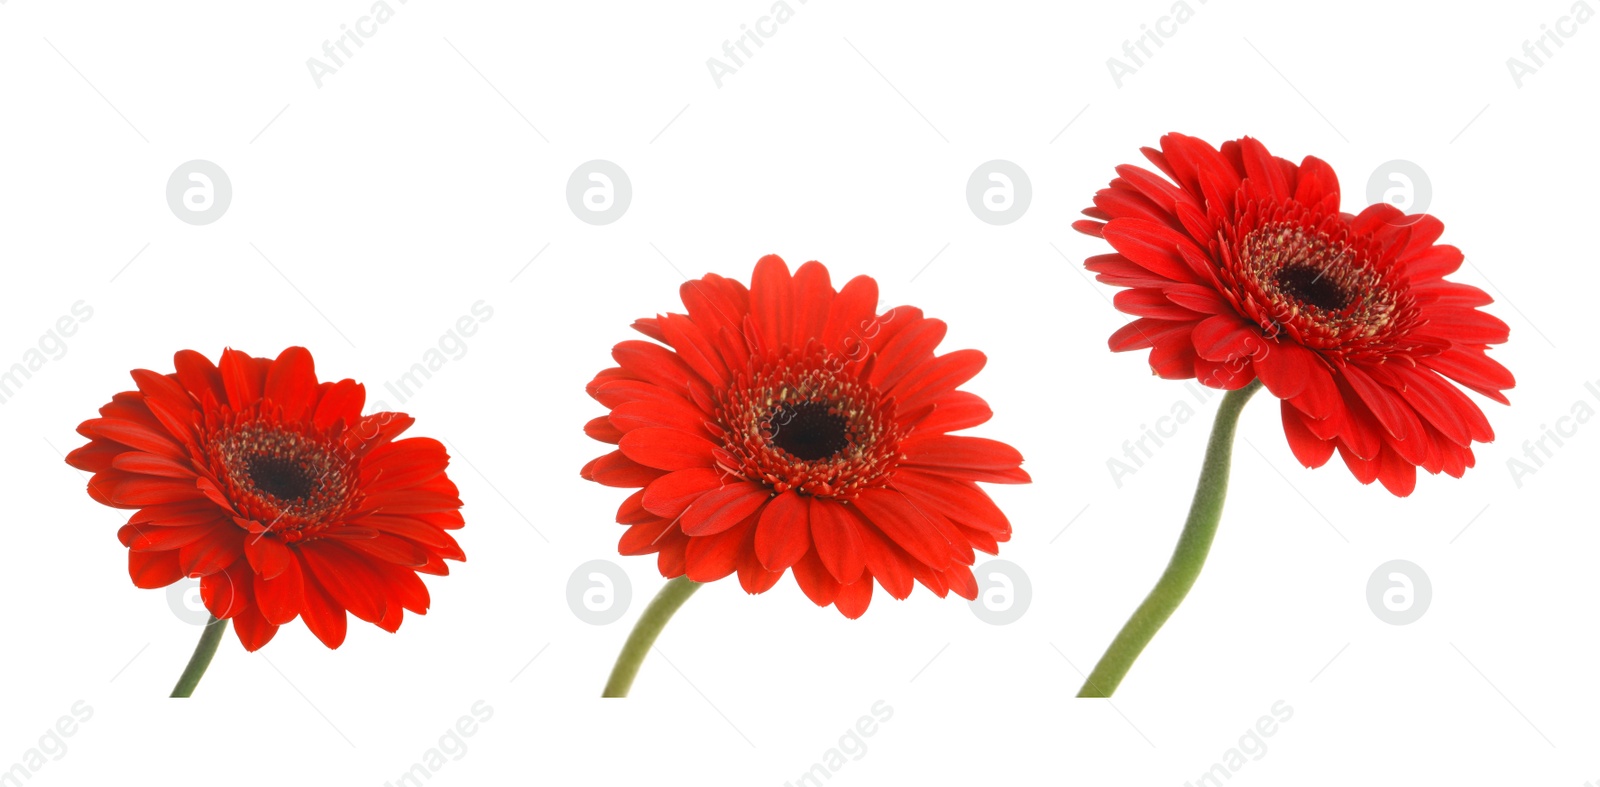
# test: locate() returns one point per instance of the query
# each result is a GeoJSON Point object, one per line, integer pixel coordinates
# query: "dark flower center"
{"type": "Point", "coordinates": [283, 479]}
{"type": "Point", "coordinates": [1312, 280]}
{"type": "Point", "coordinates": [806, 422]}
{"type": "Point", "coordinates": [809, 430]}
{"type": "Point", "coordinates": [1312, 287]}
{"type": "Point", "coordinates": [280, 477]}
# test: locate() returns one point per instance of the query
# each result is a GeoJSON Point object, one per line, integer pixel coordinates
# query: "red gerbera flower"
{"type": "Point", "coordinates": [275, 491]}
{"type": "Point", "coordinates": [792, 426]}
{"type": "Point", "coordinates": [1242, 267]}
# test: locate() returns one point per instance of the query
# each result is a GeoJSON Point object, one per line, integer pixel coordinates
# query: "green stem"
{"type": "Point", "coordinates": [210, 638]}
{"type": "Point", "coordinates": [644, 634]}
{"type": "Point", "coordinates": [1187, 559]}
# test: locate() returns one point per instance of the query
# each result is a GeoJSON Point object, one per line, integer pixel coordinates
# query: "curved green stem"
{"type": "Point", "coordinates": [210, 638]}
{"type": "Point", "coordinates": [1187, 559]}
{"type": "Point", "coordinates": [644, 634]}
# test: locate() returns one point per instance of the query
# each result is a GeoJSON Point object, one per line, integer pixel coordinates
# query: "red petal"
{"type": "Point", "coordinates": [199, 375]}
{"type": "Point", "coordinates": [905, 525]}
{"type": "Point", "coordinates": [615, 469]}
{"type": "Point", "coordinates": [95, 456]}
{"type": "Point", "coordinates": [853, 599]}
{"type": "Point", "coordinates": [653, 363]}
{"type": "Point", "coordinates": [753, 576]}
{"type": "Point", "coordinates": [1311, 450]}
{"type": "Point", "coordinates": [189, 512]}
{"type": "Point", "coordinates": [960, 580]}
{"type": "Point", "coordinates": [340, 572]}
{"type": "Point", "coordinates": [226, 593]}
{"type": "Point", "coordinates": [253, 630]}
{"type": "Point", "coordinates": [962, 501]}
{"type": "Point", "coordinates": [669, 411]}
{"type": "Point", "coordinates": [404, 463]}
{"type": "Point", "coordinates": [1316, 182]}
{"type": "Point", "coordinates": [667, 449]}
{"type": "Point", "coordinates": [911, 347]}
{"type": "Point", "coordinates": [937, 377]}
{"type": "Point", "coordinates": [670, 495]}
{"type": "Point", "coordinates": [323, 615]}
{"type": "Point", "coordinates": [613, 393]}
{"type": "Point", "coordinates": [783, 534]}
{"type": "Point", "coordinates": [1151, 246]}
{"type": "Point", "coordinates": [771, 302]}
{"type": "Point", "coordinates": [404, 588]}
{"type": "Point", "coordinates": [412, 527]}
{"type": "Point", "coordinates": [669, 554]}
{"type": "Point", "coordinates": [154, 464]}
{"type": "Point", "coordinates": [710, 558]}
{"type": "Point", "coordinates": [213, 553]}
{"type": "Point", "coordinates": [268, 556]}
{"type": "Point", "coordinates": [1285, 367]}
{"type": "Point", "coordinates": [1320, 399]}
{"type": "Point", "coordinates": [982, 541]}
{"type": "Point", "coordinates": [1397, 475]}
{"type": "Point", "coordinates": [1173, 358]}
{"type": "Point", "coordinates": [1119, 271]}
{"type": "Point", "coordinates": [645, 537]}
{"type": "Point", "coordinates": [145, 490]}
{"type": "Point", "coordinates": [850, 315]}
{"type": "Point", "coordinates": [815, 581]}
{"type": "Point", "coordinates": [161, 539]}
{"type": "Point", "coordinates": [715, 303]}
{"type": "Point", "coordinates": [1360, 431]}
{"type": "Point", "coordinates": [375, 430]}
{"type": "Point", "coordinates": [955, 410]}
{"type": "Point", "coordinates": [392, 550]}
{"type": "Point", "coordinates": [1465, 326]}
{"type": "Point", "coordinates": [1202, 299]}
{"type": "Point", "coordinates": [1451, 412]}
{"type": "Point", "coordinates": [1264, 171]}
{"type": "Point", "coordinates": [834, 533]}
{"type": "Point", "coordinates": [240, 379]}
{"type": "Point", "coordinates": [960, 547]}
{"type": "Point", "coordinates": [813, 299]}
{"type": "Point", "coordinates": [342, 401]}
{"type": "Point", "coordinates": [134, 434]}
{"type": "Point", "coordinates": [1475, 370]}
{"type": "Point", "coordinates": [1383, 402]}
{"type": "Point", "coordinates": [1224, 337]}
{"type": "Point", "coordinates": [885, 561]}
{"type": "Point", "coordinates": [1152, 304]}
{"type": "Point", "coordinates": [153, 569]}
{"type": "Point", "coordinates": [282, 598]}
{"type": "Point", "coordinates": [1434, 262]}
{"type": "Point", "coordinates": [694, 348]}
{"type": "Point", "coordinates": [167, 401]}
{"type": "Point", "coordinates": [931, 579]}
{"type": "Point", "coordinates": [722, 508]}
{"type": "Point", "coordinates": [975, 458]}
{"type": "Point", "coordinates": [411, 500]}
{"type": "Point", "coordinates": [292, 383]}
{"type": "Point", "coordinates": [1162, 194]}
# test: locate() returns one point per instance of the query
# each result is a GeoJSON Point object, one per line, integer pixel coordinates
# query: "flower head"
{"type": "Point", "coordinates": [1242, 267]}
{"type": "Point", "coordinates": [275, 491]}
{"type": "Point", "coordinates": [792, 426]}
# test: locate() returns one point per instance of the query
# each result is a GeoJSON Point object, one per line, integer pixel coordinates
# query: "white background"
{"type": "Point", "coordinates": [370, 213]}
